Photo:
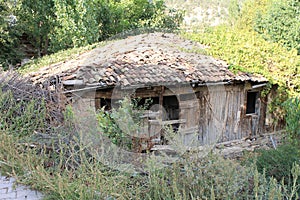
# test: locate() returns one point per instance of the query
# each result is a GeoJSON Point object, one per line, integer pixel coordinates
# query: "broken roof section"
{"type": "Point", "coordinates": [148, 59]}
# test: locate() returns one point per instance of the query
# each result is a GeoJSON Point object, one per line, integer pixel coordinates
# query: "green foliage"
{"type": "Point", "coordinates": [10, 54]}
{"type": "Point", "coordinates": [35, 21]}
{"type": "Point", "coordinates": [245, 50]}
{"type": "Point", "coordinates": [216, 178]}
{"type": "Point", "coordinates": [121, 124]}
{"type": "Point", "coordinates": [163, 17]}
{"type": "Point", "coordinates": [195, 179]}
{"type": "Point", "coordinates": [20, 117]}
{"type": "Point", "coordinates": [234, 11]}
{"type": "Point", "coordinates": [119, 16]}
{"type": "Point", "coordinates": [75, 24]}
{"type": "Point", "coordinates": [250, 9]}
{"type": "Point", "coordinates": [110, 128]}
{"type": "Point", "coordinates": [253, 54]}
{"type": "Point", "coordinates": [278, 163]}
{"type": "Point", "coordinates": [43, 27]}
{"type": "Point", "coordinates": [54, 172]}
{"type": "Point", "coordinates": [70, 173]}
{"type": "Point", "coordinates": [292, 107]}
{"type": "Point", "coordinates": [281, 23]}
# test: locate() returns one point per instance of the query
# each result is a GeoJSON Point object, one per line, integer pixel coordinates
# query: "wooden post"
{"type": "Point", "coordinates": [161, 101]}
{"type": "Point", "coordinates": [97, 104]}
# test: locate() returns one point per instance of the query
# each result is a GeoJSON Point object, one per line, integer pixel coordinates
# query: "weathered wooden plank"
{"type": "Point", "coordinates": [150, 114]}
{"type": "Point", "coordinates": [169, 122]}
{"type": "Point", "coordinates": [73, 82]}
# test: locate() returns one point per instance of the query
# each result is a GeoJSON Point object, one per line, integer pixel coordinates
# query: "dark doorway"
{"type": "Point", "coordinates": [251, 102]}
{"type": "Point", "coordinates": [171, 105]}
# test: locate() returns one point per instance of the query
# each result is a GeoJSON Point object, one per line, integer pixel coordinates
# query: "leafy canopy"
{"type": "Point", "coordinates": [45, 27]}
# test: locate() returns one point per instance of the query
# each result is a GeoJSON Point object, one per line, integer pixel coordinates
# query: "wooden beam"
{"type": "Point", "coordinates": [258, 86]}
{"type": "Point", "coordinates": [169, 122]}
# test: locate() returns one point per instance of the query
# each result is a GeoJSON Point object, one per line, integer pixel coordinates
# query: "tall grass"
{"type": "Point", "coordinates": [79, 176]}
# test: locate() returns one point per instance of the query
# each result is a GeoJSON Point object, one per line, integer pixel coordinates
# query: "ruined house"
{"type": "Point", "coordinates": [194, 93]}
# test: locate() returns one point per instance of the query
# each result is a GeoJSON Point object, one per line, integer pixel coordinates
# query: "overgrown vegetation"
{"type": "Point", "coordinates": [25, 108]}
{"type": "Point", "coordinates": [63, 166]}
{"type": "Point", "coordinates": [209, 178]}
{"type": "Point", "coordinates": [20, 118]}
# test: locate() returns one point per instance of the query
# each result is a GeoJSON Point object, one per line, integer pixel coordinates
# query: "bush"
{"type": "Point", "coordinates": [19, 115]}
{"type": "Point", "coordinates": [247, 51]}
{"type": "Point", "coordinates": [121, 124]}
{"type": "Point", "coordinates": [70, 173]}
{"type": "Point", "coordinates": [278, 163]}
{"type": "Point", "coordinates": [20, 118]}
{"type": "Point", "coordinates": [210, 177]}
{"type": "Point", "coordinates": [109, 127]}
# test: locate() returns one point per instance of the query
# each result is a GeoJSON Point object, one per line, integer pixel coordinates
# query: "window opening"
{"type": "Point", "coordinates": [103, 102]}
{"type": "Point", "coordinates": [252, 98]}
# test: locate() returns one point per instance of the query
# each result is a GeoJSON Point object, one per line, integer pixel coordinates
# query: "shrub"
{"type": "Point", "coordinates": [278, 162]}
{"type": "Point", "coordinates": [122, 123]}
{"type": "Point", "coordinates": [213, 177]}
{"type": "Point", "coordinates": [191, 178]}
{"type": "Point", "coordinates": [246, 51]}
{"type": "Point", "coordinates": [20, 118]}
{"type": "Point", "coordinates": [109, 127]}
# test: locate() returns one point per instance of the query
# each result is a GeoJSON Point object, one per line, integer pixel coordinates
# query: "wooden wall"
{"type": "Point", "coordinates": [222, 115]}
{"type": "Point", "coordinates": [211, 113]}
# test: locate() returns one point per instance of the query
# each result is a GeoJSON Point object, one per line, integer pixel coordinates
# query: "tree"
{"type": "Point", "coordinates": [36, 20]}
{"type": "Point", "coordinates": [9, 43]}
{"type": "Point", "coordinates": [75, 24]}
{"type": "Point", "coordinates": [48, 26]}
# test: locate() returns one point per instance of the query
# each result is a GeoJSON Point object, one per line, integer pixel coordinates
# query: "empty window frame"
{"type": "Point", "coordinates": [103, 102]}
{"type": "Point", "coordinates": [251, 107]}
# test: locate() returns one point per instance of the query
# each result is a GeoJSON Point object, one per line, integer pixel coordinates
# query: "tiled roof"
{"type": "Point", "coordinates": [148, 59]}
